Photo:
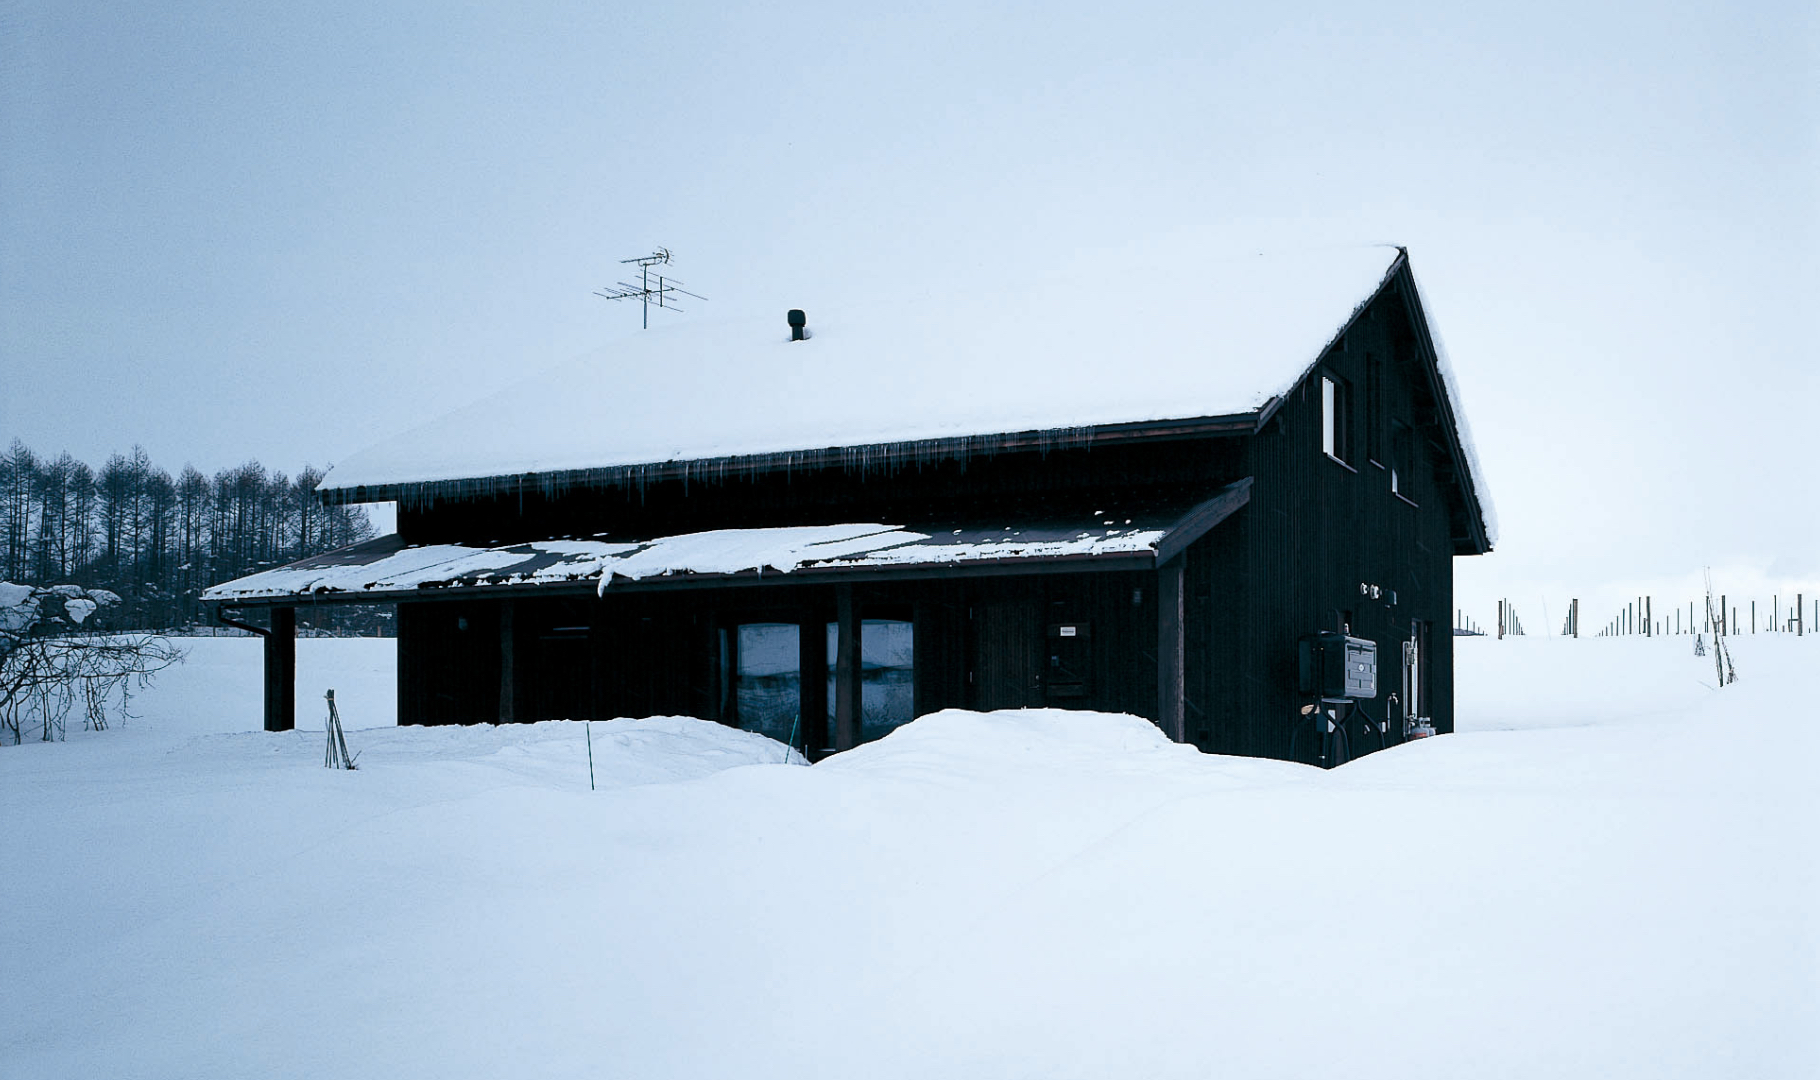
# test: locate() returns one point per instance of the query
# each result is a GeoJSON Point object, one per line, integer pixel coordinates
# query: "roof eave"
{"type": "Point", "coordinates": [861, 457]}
{"type": "Point", "coordinates": [1477, 538]}
{"type": "Point", "coordinates": [1137, 560]}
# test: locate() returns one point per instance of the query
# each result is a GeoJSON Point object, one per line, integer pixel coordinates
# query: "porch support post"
{"type": "Point", "coordinates": [281, 671]}
{"type": "Point", "coordinates": [846, 669]}
{"type": "Point", "coordinates": [508, 692]}
{"type": "Point", "coordinates": [1171, 651]}
{"type": "Point", "coordinates": [812, 669]}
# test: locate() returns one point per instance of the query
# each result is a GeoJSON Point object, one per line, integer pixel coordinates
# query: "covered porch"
{"type": "Point", "coordinates": [820, 636]}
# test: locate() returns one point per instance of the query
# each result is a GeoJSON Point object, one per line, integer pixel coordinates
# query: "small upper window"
{"type": "Point", "coordinates": [1335, 438]}
{"type": "Point", "coordinates": [1400, 458]}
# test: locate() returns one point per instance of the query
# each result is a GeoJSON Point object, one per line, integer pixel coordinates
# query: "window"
{"type": "Point", "coordinates": [761, 669]}
{"type": "Point", "coordinates": [887, 680]}
{"type": "Point", "coordinates": [768, 691]}
{"type": "Point", "coordinates": [1401, 440]}
{"type": "Point", "coordinates": [1336, 436]}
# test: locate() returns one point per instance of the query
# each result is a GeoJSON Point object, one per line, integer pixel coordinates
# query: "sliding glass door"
{"type": "Point", "coordinates": [762, 673]}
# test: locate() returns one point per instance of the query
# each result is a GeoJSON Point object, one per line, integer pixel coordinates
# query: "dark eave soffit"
{"type": "Point", "coordinates": [854, 458]}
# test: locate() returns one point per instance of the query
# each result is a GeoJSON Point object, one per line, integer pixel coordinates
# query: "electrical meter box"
{"type": "Point", "coordinates": [1337, 667]}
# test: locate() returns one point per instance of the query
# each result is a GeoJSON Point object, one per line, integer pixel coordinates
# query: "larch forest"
{"type": "Point", "coordinates": [157, 540]}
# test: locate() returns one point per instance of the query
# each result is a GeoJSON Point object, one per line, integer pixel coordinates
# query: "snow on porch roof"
{"type": "Point", "coordinates": [386, 569]}
{"type": "Point", "coordinates": [1219, 338]}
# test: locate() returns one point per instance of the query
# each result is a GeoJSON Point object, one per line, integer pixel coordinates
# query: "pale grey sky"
{"type": "Point", "coordinates": [283, 231]}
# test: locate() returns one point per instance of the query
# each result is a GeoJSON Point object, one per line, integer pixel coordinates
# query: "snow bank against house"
{"type": "Point", "coordinates": [1040, 745]}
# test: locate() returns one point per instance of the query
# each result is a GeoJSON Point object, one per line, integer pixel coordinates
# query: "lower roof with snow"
{"type": "Point", "coordinates": [388, 570]}
{"type": "Point", "coordinates": [1219, 338]}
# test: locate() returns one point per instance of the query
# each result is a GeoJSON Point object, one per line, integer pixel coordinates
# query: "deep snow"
{"type": "Point", "coordinates": [1609, 872]}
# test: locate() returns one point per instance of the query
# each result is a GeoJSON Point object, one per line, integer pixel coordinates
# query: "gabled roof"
{"type": "Point", "coordinates": [1059, 359]}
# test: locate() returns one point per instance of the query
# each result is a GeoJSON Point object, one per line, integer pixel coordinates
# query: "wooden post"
{"type": "Point", "coordinates": [847, 686]}
{"type": "Point", "coordinates": [1649, 616]}
{"type": "Point", "coordinates": [1171, 651]}
{"type": "Point", "coordinates": [1800, 614]}
{"type": "Point", "coordinates": [812, 697]}
{"type": "Point", "coordinates": [281, 671]}
{"type": "Point", "coordinates": [1576, 617]}
{"type": "Point", "coordinates": [508, 661]}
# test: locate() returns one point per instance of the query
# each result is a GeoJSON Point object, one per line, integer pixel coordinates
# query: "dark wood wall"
{"type": "Point", "coordinates": [981, 643]}
{"type": "Point", "coordinates": [1317, 529]}
{"type": "Point", "coordinates": [1024, 483]}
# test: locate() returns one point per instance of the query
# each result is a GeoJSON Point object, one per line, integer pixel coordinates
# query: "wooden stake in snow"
{"type": "Point", "coordinates": [1722, 660]}
{"type": "Point", "coordinates": [588, 728]}
{"type": "Point", "coordinates": [336, 756]}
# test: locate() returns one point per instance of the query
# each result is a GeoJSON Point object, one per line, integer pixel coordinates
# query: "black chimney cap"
{"type": "Point", "coordinates": [797, 318]}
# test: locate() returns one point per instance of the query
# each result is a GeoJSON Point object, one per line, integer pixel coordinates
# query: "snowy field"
{"type": "Point", "coordinates": [1610, 872]}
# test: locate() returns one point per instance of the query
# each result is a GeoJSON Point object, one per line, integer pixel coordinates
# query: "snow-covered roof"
{"type": "Point", "coordinates": [1217, 339]}
{"type": "Point", "coordinates": [386, 568]}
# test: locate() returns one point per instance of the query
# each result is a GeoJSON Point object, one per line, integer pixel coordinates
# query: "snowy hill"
{"type": "Point", "coordinates": [1608, 873]}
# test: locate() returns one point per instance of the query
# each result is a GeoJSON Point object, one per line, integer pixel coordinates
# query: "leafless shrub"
{"type": "Point", "coordinates": [51, 668]}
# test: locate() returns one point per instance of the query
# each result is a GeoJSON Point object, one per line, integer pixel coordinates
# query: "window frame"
{"type": "Point", "coordinates": [1336, 419]}
{"type": "Point", "coordinates": [1402, 460]}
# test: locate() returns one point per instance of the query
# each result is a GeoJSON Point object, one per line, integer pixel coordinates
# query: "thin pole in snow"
{"type": "Point", "coordinates": [587, 727]}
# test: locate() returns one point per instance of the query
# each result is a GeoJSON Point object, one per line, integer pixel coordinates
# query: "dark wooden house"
{"type": "Point", "coordinates": [1019, 505]}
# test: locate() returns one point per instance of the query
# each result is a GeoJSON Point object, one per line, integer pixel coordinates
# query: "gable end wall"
{"type": "Point", "coordinates": [1316, 530]}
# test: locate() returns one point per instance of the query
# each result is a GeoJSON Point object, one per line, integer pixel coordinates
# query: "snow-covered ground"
{"type": "Point", "coordinates": [1609, 873]}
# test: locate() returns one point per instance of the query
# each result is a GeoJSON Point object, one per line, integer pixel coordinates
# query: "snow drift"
{"type": "Point", "coordinates": [1586, 882]}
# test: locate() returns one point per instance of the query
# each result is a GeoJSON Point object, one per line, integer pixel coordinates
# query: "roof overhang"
{"type": "Point", "coordinates": [388, 571]}
{"type": "Point", "coordinates": [1471, 522]}
{"type": "Point", "coordinates": [867, 457]}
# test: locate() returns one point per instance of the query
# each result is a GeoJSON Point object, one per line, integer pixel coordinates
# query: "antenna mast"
{"type": "Point", "coordinates": [644, 291]}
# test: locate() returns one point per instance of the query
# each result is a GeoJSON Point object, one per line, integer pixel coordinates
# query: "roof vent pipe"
{"type": "Point", "coordinates": [799, 325]}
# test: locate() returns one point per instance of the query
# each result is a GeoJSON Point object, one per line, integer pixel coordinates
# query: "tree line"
{"type": "Point", "coordinates": [156, 540]}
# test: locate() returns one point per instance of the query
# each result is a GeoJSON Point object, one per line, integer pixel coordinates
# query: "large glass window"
{"type": "Point", "coordinates": [768, 689]}
{"type": "Point", "coordinates": [887, 658]}
{"type": "Point", "coordinates": [762, 673]}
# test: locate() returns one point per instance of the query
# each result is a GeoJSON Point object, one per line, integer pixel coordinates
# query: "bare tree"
{"type": "Point", "coordinates": [52, 665]}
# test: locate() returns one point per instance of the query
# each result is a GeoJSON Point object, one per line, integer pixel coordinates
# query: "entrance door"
{"type": "Point", "coordinates": [1007, 654]}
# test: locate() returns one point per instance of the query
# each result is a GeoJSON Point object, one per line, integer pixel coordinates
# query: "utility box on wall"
{"type": "Point", "coordinates": [1337, 667]}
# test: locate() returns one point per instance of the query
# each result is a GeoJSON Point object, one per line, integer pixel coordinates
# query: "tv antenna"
{"type": "Point", "coordinates": [644, 291]}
